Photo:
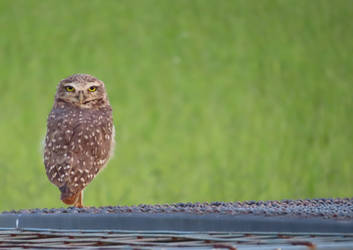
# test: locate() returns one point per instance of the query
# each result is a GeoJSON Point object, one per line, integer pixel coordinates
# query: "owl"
{"type": "Point", "coordinates": [80, 136]}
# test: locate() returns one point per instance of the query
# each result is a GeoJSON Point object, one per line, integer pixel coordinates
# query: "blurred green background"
{"type": "Point", "coordinates": [213, 100]}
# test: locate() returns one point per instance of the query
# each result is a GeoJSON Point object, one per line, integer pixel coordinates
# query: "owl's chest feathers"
{"type": "Point", "coordinates": [76, 117]}
{"type": "Point", "coordinates": [88, 131]}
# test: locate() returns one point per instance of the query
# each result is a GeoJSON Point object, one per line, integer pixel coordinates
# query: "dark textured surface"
{"type": "Point", "coordinates": [340, 209]}
{"type": "Point", "coordinates": [168, 240]}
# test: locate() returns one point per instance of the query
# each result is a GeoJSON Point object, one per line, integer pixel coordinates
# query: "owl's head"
{"type": "Point", "coordinates": [82, 90]}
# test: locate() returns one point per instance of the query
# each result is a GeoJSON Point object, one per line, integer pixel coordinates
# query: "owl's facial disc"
{"type": "Point", "coordinates": [82, 94]}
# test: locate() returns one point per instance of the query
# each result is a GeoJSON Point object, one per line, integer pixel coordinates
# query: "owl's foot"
{"type": "Point", "coordinates": [79, 202]}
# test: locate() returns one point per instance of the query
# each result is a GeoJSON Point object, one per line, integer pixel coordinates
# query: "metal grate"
{"type": "Point", "coordinates": [63, 239]}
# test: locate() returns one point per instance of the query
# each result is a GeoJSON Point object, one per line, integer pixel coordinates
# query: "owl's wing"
{"type": "Point", "coordinates": [57, 154]}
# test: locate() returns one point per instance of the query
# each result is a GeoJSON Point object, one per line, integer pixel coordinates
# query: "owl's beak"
{"type": "Point", "coordinates": [80, 97]}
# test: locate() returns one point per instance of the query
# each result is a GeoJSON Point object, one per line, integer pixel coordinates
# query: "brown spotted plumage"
{"type": "Point", "coordinates": [80, 136]}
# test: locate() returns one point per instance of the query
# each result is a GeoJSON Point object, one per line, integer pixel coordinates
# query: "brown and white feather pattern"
{"type": "Point", "coordinates": [77, 146]}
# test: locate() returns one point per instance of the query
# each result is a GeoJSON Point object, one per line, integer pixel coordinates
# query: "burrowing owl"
{"type": "Point", "coordinates": [80, 136]}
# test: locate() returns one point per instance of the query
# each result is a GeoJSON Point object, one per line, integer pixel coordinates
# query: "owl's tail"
{"type": "Point", "coordinates": [67, 196]}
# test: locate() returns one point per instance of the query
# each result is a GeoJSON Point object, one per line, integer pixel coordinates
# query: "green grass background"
{"type": "Point", "coordinates": [213, 100]}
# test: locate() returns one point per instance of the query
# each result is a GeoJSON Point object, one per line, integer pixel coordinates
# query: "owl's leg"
{"type": "Point", "coordinates": [79, 202]}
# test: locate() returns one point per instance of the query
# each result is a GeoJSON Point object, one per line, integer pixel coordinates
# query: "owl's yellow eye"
{"type": "Point", "coordinates": [92, 89]}
{"type": "Point", "coordinates": [69, 88]}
